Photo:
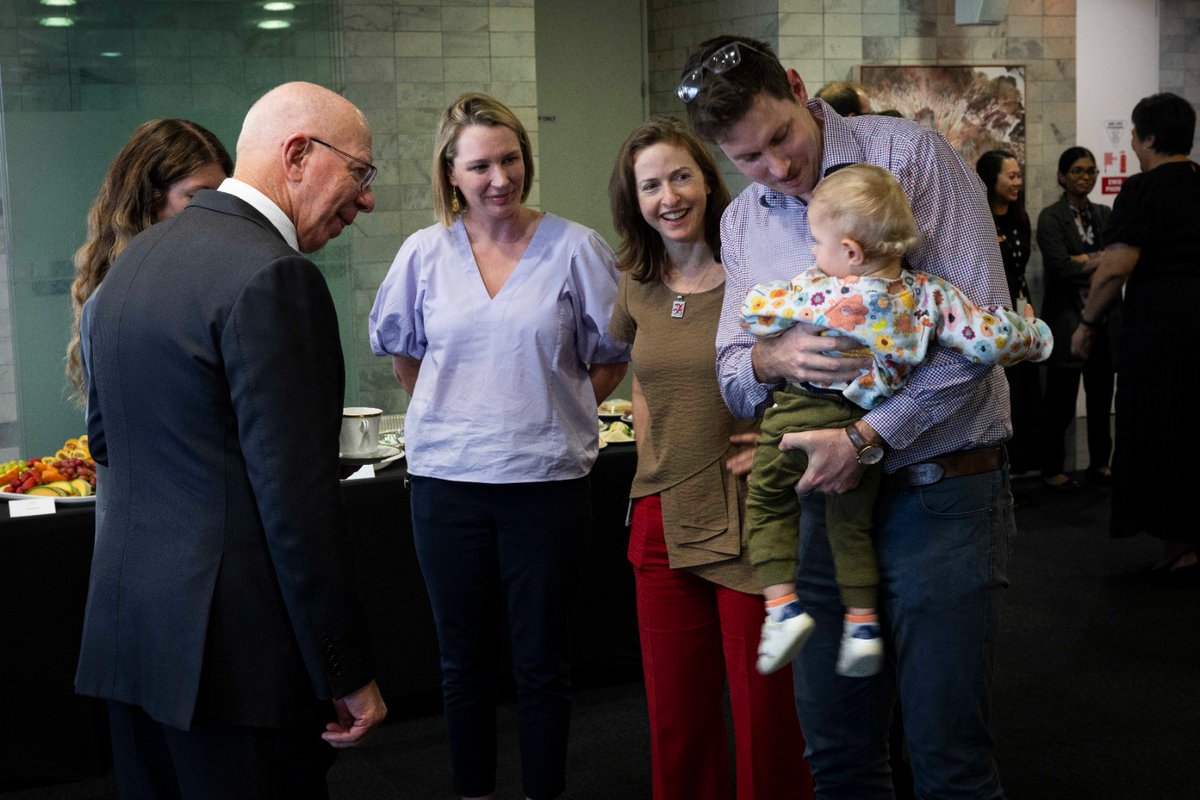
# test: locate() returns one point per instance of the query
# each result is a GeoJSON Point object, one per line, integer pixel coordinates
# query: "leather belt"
{"type": "Point", "coordinates": [951, 465]}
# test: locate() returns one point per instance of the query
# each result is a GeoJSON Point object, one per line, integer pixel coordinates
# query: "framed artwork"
{"type": "Point", "coordinates": [976, 108]}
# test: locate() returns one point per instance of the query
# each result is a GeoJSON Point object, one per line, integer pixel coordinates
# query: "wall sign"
{"type": "Point", "coordinates": [1116, 158]}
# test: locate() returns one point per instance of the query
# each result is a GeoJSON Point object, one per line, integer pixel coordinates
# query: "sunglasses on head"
{"type": "Point", "coordinates": [723, 59]}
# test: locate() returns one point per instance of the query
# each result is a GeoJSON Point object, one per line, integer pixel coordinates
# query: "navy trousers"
{"type": "Point", "coordinates": [516, 544]}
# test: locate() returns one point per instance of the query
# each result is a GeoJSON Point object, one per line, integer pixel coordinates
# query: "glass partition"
{"type": "Point", "coordinates": [72, 95]}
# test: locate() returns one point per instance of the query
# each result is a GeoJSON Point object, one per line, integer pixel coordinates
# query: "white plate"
{"type": "Point", "coordinates": [605, 441]}
{"type": "Point", "coordinates": [602, 414]}
{"type": "Point", "coordinates": [619, 443]}
{"type": "Point", "coordinates": [381, 453]}
{"type": "Point", "coordinates": [58, 501]}
{"type": "Point", "coordinates": [387, 462]}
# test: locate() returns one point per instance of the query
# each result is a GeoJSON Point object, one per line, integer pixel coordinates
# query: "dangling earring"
{"type": "Point", "coordinates": [455, 206]}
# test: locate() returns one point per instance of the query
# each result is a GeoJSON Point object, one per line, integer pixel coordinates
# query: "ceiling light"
{"type": "Point", "coordinates": [274, 6]}
{"type": "Point", "coordinates": [111, 54]}
{"type": "Point", "coordinates": [274, 24]}
{"type": "Point", "coordinates": [59, 3]}
{"type": "Point", "coordinates": [56, 22]}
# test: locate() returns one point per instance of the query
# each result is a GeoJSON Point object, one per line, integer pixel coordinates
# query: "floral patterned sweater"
{"type": "Point", "coordinates": [896, 320]}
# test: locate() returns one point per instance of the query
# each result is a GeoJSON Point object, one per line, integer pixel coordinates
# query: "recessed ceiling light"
{"type": "Point", "coordinates": [274, 6]}
{"type": "Point", "coordinates": [111, 54]}
{"type": "Point", "coordinates": [274, 24]}
{"type": "Point", "coordinates": [60, 3]}
{"type": "Point", "coordinates": [56, 22]}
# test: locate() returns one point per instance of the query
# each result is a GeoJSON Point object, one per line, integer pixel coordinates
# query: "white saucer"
{"type": "Point", "coordinates": [381, 453]}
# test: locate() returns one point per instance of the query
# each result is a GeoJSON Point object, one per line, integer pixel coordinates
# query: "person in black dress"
{"type": "Point", "coordinates": [1001, 175]}
{"type": "Point", "coordinates": [1070, 236]}
{"type": "Point", "coordinates": [1153, 251]}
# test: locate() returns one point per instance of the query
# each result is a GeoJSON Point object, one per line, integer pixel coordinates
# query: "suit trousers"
{"type": "Point", "coordinates": [697, 635]}
{"type": "Point", "coordinates": [1025, 398]}
{"type": "Point", "coordinates": [1062, 388]}
{"type": "Point", "coordinates": [153, 761]}
{"type": "Point", "coordinates": [482, 548]}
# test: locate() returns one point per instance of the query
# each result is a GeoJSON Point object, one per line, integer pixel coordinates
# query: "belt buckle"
{"type": "Point", "coordinates": [927, 473]}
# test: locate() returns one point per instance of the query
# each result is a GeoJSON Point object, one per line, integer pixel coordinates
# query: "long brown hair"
{"type": "Point", "coordinates": [641, 250]}
{"type": "Point", "coordinates": [158, 154]}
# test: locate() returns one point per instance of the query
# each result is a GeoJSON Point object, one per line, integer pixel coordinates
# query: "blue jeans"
{"type": "Point", "coordinates": [943, 553]}
{"type": "Point", "coordinates": [517, 544]}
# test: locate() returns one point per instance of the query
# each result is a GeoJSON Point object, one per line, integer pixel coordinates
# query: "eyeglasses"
{"type": "Point", "coordinates": [722, 60]}
{"type": "Point", "coordinates": [1076, 172]}
{"type": "Point", "coordinates": [365, 173]}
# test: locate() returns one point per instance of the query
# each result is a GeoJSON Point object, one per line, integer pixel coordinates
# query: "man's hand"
{"type": "Point", "coordinates": [358, 714]}
{"type": "Point", "coordinates": [833, 466]}
{"type": "Point", "coordinates": [743, 459]}
{"type": "Point", "coordinates": [1081, 341]}
{"type": "Point", "coordinates": [797, 355]}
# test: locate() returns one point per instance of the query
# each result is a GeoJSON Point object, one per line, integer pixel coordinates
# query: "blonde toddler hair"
{"type": "Point", "coordinates": [865, 203]}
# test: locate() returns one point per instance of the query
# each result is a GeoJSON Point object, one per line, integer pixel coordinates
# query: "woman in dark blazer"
{"type": "Point", "coordinates": [1069, 234]}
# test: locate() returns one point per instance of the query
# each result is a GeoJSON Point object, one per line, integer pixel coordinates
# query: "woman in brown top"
{"type": "Point", "coordinates": [699, 610]}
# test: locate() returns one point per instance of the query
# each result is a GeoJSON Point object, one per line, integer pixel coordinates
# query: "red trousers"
{"type": "Point", "coordinates": [695, 636]}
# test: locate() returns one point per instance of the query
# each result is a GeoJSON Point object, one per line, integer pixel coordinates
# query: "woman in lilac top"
{"type": "Point", "coordinates": [496, 319]}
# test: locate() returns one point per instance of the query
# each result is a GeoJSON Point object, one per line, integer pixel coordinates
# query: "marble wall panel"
{"type": "Point", "coordinates": [400, 61]}
{"type": "Point", "coordinates": [403, 60]}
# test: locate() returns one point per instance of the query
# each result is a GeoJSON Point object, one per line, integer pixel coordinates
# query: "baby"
{"type": "Point", "coordinates": [862, 225]}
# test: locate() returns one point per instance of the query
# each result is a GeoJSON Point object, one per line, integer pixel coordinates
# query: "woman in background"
{"type": "Point", "coordinates": [496, 319]}
{"type": "Point", "coordinates": [163, 164]}
{"type": "Point", "coordinates": [1152, 250]}
{"type": "Point", "coordinates": [1070, 236]}
{"type": "Point", "coordinates": [1001, 175]}
{"type": "Point", "coordinates": [699, 607]}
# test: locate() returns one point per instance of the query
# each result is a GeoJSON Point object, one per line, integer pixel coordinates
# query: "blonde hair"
{"type": "Point", "coordinates": [470, 109]}
{"type": "Point", "coordinates": [866, 203]}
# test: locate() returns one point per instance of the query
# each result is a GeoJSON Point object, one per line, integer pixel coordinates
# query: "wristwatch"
{"type": "Point", "coordinates": [868, 453]}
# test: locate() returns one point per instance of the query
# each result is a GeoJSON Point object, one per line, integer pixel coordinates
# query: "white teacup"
{"type": "Point", "coordinates": [360, 430]}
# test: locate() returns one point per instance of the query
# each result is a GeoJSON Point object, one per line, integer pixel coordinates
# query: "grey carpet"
{"type": "Point", "coordinates": [1093, 694]}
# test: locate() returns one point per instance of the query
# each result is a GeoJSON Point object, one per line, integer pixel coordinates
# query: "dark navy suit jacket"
{"type": "Point", "coordinates": [219, 589]}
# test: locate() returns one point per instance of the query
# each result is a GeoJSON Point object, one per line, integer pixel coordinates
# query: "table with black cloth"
{"type": "Point", "coordinates": [50, 735]}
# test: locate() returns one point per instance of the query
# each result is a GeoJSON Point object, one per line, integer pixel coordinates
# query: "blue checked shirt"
{"type": "Point", "coordinates": [948, 404]}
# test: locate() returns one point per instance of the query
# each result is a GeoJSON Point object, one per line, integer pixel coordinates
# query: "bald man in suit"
{"type": "Point", "coordinates": [220, 622]}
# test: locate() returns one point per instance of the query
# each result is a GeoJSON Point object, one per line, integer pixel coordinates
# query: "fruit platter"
{"type": "Point", "coordinates": [69, 474]}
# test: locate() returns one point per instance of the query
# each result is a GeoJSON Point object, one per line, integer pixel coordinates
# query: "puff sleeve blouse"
{"type": "Point", "coordinates": [504, 394]}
